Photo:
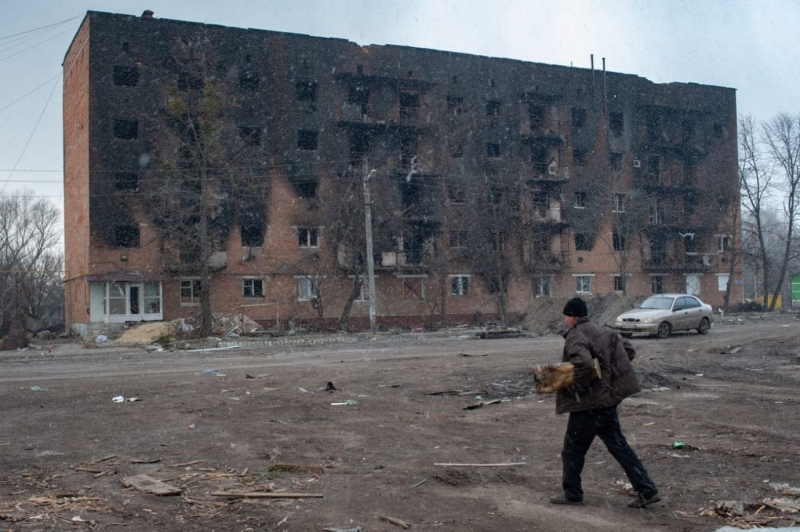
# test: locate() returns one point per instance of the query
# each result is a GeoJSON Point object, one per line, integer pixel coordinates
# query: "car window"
{"type": "Point", "coordinates": [692, 302]}
{"type": "Point", "coordinates": [657, 302]}
{"type": "Point", "coordinates": [680, 304]}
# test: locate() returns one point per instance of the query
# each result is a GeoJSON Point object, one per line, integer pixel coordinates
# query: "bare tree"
{"type": "Point", "coordinates": [782, 137]}
{"type": "Point", "coordinates": [30, 265]}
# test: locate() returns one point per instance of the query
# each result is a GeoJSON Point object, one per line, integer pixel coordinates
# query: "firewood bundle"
{"type": "Point", "coordinates": [551, 378]}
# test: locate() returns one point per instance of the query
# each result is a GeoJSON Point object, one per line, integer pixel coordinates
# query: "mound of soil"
{"type": "Point", "coordinates": [146, 333]}
{"type": "Point", "coordinates": [544, 315]}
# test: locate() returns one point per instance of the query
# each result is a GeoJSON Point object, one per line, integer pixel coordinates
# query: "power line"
{"type": "Point", "coordinates": [40, 28]}
{"type": "Point", "coordinates": [25, 96]}
{"type": "Point", "coordinates": [35, 45]}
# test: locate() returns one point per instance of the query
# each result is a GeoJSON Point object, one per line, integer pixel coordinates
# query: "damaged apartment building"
{"type": "Point", "coordinates": [232, 161]}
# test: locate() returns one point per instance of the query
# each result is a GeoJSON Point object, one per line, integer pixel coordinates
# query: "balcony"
{"type": "Point", "coordinates": [688, 262]}
{"type": "Point", "coordinates": [547, 261]}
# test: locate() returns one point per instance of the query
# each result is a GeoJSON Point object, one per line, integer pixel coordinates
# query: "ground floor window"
{"type": "Point", "coordinates": [190, 292]}
{"type": "Point", "coordinates": [306, 288]}
{"type": "Point", "coordinates": [657, 284]}
{"type": "Point", "coordinates": [118, 301]}
{"type": "Point", "coordinates": [583, 283]}
{"type": "Point", "coordinates": [542, 287]}
{"type": "Point", "coordinates": [253, 287]}
{"type": "Point", "coordinates": [619, 283]}
{"type": "Point", "coordinates": [363, 288]}
{"type": "Point", "coordinates": [722, 282]}
{"type": "Point", "coordinates": [459, 285]}
{"type": "Point", "coordinates": [414, 288]}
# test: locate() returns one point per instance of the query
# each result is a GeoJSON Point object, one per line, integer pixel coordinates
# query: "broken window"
{"type": "Point", "coordinates": [723, 243]}
{"type": "Point", "coordinates": [408, 150]}
{"type": "Point", "coordinates": [307, 140]}
{"type": "Point", "coordinates": [656, 213]}
{"type": "Point", "coordinates": [542, 287]}
{"type": "Point", "coordinates": [456, 150]}
{"type": "Point", "coordinates": [308, 237]}
{"type": "Point", "coordinates": [581, 198]}
{"type": "Point", "coordinates": [536, 115]}
{"type": "Point", "coordinates": [252, 287]}
{"type": "Point", "coordinates": [657, 284]}
{"type": "Point", "coordinates": [495, 194]}
{"type": "Point", "coordinates": [615, 161]}
{"type": "Point", "coordinates": [493, 108]}
{"type": "Point", "coordinates": [578, 117]}
{"type": "Point", "coordinates": [126, 129]}
{"type": "Point", "coordinates": [459, 285]}
{"type": "Point", "coordinates": [126, 236]}
{"type": "Point", "coordinates": [718, 130]}
{"type": "Point", "coordinates": [654, 166]}
{"type": "Point", "coordinates": [409, 104]}
{"type": "Point", "coordinates": [456, 194]}
{"type": "Point", "coordinates": [579, 156]}
{"type": "Point", "coordinates": [126, 181]}
{"type": "Point", "coordinates": [250, 135]}
{"type": "Point", "coordinates": [248, 82]}
{"type": "Point", "coordinates": [493, 150]}
{"type": "Point", "coordinates": [190, 291]}
{"type": "Point", "coordinates": [252, 235]}
{"type": "Point", "coordinates": [619, 203]}
{"type": "Point", "coordinates": [497, 240]}
{"type": "Point", "coordinates": [618, 242]}
{"type": "Point", "coordinates": [458, 239]}
{"type": "Point", "coordinates": [359, 96]}
{"type": "Point", "coordinates": [307, 288]}
{"type": "Point", "coordinates": [126, 76]}
{"type": "Point", "coordinates": [581, 242]}
{"type": "Point", "coordinates": [658, 252]}
{"type": "Point", "coordinates": [583, 283]}
{"type": "Point", "coordinates": [305, 91]}
{"type": "Point", "coordinates": [654, 127]}
{"type": "Point", "coordinates": [616, 123]}
{"type": "Point", "coordinates": [455, 105]}
{"type": "Point", "coordinates": [359, 146]}
{"type": "Point", "coordinates": [187, 83]}
{"type": "Point", "coordinates": [541, 203]}
{"type": "Point", "coordinates": [414, 288]}
{"type": "Point", "coordinates": [619, 283]}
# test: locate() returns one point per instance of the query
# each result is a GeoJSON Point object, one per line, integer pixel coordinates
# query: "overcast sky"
{"type": "Point", "coordinates": [751, 46]}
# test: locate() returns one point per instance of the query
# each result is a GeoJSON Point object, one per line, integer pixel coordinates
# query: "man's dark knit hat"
{"type": "Point", "coordinates": [576, 307]}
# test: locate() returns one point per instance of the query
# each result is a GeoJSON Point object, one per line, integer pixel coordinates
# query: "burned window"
{"type": "Point", "coordinates": [497, 239]}
{"type": "Point", "coordinates": [252, 287]}
{"type": "Point", "coordinates": [252, 235]}
{"type": "Point", "coordinates": [413, 288]}
{"type": "Point", "coordinates": [455, 105]}
{"type": "Point", "coordinates": [126, 181]}
{"type": "Point", "coordinates": [688, 127]}
{"type": "Point", "coordinates": [456, 150]}
{"type": "Point", "coordinates": [308, 237]}
{"type": "Point", "coordinates": [359, 96]}
{"type": "Point", "coordinates": [250, 135]}
{"type": "Point", "coordinates": [541, 203]}
{"type": "Point", "coordinates": [616, 123]}
{"type": "Point", "coordinates": [536, 115]}
{"type": "Point", "coordinates": [582, 242]}
{"type": "Point", "coordinates": [409, 104]}
{"type": "Point", "coordinates": [307, 140]}
{"type": "Point", "coordinates": [189, 83]}
{"type": "Point", "coordinates": [458, 239]}
{"type": "Point", "coordinates": [408, 150]}
{"type": "Point", "coordinates": [305, 91]}
{"type": "Point", "coordinates": [718, 130]}
{"type": "Point", "coordinates": [615, 161]}
{"type": "Point", "coordinates": [581, 199]}
{"type": "Point", "coordinates": [126, 129]}
{"type": "Point", "coordinates": [618, 204]}
{"type": "Point", "coordinates": [653, 165]}
{"type": "Point", "coordinates": [456, 194]}
{"type": "Point", "coordinates": [539, 159]}
{"type": "Point", "coordinates": [578, 117]}
{"type": "Point", "coordinates": [579, 156]}
{"type": "Point", "coordinates": [359, 146]}
{"type": "Point", "coordinates": [493, 149]}
{"type": "Point", "coordinates": [126, 76]}
{"type": "Point", "coordinates": [248, 82]}
{"type": "Point", "coordinates": [493, 108]}
{"type": "Point", "coordinates": [618, 241]}
{"type": "Point", "coordinates": [126, 236]}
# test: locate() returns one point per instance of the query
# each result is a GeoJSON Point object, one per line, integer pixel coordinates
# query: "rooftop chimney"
{"type": "Point", "coordinates": [147, 14]}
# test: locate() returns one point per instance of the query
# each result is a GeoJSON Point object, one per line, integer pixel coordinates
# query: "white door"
{"type": "Point", "coordinates": [693, 285]}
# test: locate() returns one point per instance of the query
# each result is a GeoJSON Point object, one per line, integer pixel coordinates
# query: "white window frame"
{"type": "Point", "coordinates": [363, 295]}
{"type": "Point", "coordinates": [581, 289]}
{"type": "Point", "coordinates": [462, 287]}
{"type": "Point", "coordinates": [307, 288]}
{"type": "Point", "coordinates": [722, 240]}
{"type": "Point", "coordinates": [194, 299]}
{"type": "Point", "coordinates": [311, 240]}
{"type": "Point", "coordinates": [539, 284]}
{"type": "Point", "coordinates": [618, 278]}
{"type": "Point", "coordinates": [252, 281]}
{"type": "Point", "coordinates": [722, 281]}
{"type": "Point", "coordinates": [619, 202]}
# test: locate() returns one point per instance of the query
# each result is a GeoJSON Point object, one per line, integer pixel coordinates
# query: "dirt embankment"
{"type": "Point", "coordinates": [544, 315]}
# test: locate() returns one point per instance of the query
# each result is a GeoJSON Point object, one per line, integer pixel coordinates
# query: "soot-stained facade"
{"type": "Point", "coordinates": [497, 181]}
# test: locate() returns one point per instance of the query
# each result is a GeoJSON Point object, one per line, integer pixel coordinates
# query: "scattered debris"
{"type": "Point", "coordinates": [340, 529]}
{"type": "Point", "coordinates": [395, 521]}
{"type": "Point", "coordinates": [317, 470]}
{"type": "Point", "coordinates": [454, 392]}
{"type": "Point", "coordinates": [265, 495]}
{"type": "Point", "coordinates": [507, 464]}
{"type": "Point", "coordinates": [145, 460]}
{"type": "Point", "coordinates": [118, 399]}
{"type": "Point", "coordinates": [38, 389]}
{"type": "Point", "coordinates": [420, 483]}
{"type": "Point", "coordinates": [471, 355]}
{"type": "Point", "coordinates": [148, 484]}
{"type": "Point", "coordinates": [330, 387]}
{"type": "Point", "coordinates": [187, 464]}
{"type": "Point", "coordinates": [731, 350]}
{"type": "Point", "coordinates": [482, 403]}
{"type": "Point", "coordinates": [349, 402]}
{"type": "Point", "coordinates": [101, 339]}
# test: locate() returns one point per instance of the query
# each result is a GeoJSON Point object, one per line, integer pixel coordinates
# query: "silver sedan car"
{"type": "Point", "coordinates": [661, 314]}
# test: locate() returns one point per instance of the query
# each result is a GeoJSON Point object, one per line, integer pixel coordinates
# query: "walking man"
{"type": "Point", "coordinates": [592, 405]}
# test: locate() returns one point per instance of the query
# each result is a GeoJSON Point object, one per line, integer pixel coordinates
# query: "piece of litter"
{"type": "Point", "coordinates": [302, 390]}
{"type": "Point", "coordinates": [133, 399]}
{"type": "Point", "coordinates": [699, 375]}
{"type": "Point", "coordinates": [78, 519]}
{"type": "Point", "coordinates": [209, 371]}
{"type": "Point", "coordinates": [38, 389]}
{"type": "Point", "coordinates": [118, 399]}
{"type": "Point", "coordinates": [349, 402]}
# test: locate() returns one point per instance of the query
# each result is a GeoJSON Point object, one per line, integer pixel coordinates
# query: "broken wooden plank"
{"type": "Point", "coordinates": [148, 484]}
{"type": "Point", "coordinates": [265, 495]}
{"type": "Point", "coordinates": [145, 460]}
{"type": "Point", "coordinates": [105, 459]}
{"type": "Point", "coordinates": [186, 464]}
{"type": "Point", "coordinates": [506, 464]}
{"type": "Point", "coordinates": [88, 469]}
{"type": "Point", "coordinates": [483, 403]}
{"type": "Point", "coordinates": [394, 521]}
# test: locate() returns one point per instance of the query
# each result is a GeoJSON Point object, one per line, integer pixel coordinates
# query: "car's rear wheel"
{"type": "Point", "coordinates": [705, 325]}
{"type": "Point", "coordinates": [626, 335]}
{"type": "Point", "coordinates": [664, 329]}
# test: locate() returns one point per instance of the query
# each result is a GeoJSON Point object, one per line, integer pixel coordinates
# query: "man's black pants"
{"type": "Point", "coordinates": [581, 431]}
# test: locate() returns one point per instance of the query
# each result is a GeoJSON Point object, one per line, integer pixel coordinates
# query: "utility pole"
{"type": "Point", "coordinates": [370, 261]}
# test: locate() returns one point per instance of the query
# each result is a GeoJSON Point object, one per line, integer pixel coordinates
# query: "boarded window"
{"type": "Point", "coordinates": [126, 129]}
{"type": "Point", "coordinates": [305, 91]}
{"type": "Point", "coordinates": [126, 236]}
{"type": "Point", "coordinates": [126, 181]}
{"type": "Point", "coordinates": [413, 289]}
{"type": "Point", "coordinates": [307, 140]}
{"type": "Point", "coordinates": [126, 76]}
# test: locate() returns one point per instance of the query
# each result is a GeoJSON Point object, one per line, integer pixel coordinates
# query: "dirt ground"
{"type": "Point", "coordinates": [260, 420]}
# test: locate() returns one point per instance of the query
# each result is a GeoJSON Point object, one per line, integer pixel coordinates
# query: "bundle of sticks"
{"type": "Point", "coordinates": [551, 378]}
